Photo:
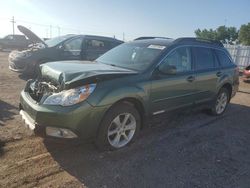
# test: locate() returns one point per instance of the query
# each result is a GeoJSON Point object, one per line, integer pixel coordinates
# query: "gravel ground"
{"type": "Point", "coordinates": [185, 149]}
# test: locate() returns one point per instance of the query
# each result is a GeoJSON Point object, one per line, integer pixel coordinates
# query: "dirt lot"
{"type": "Point", "coordinates": [188, 149]}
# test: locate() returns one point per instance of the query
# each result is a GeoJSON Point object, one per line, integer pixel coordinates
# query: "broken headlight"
{"type": "Point", "coordinates": [71, 96]}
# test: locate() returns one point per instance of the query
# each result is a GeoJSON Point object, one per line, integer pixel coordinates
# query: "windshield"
{"type": "Point", "coordinates": [54, 41]}
{"type": "Point", "coordinates": [132, 56]}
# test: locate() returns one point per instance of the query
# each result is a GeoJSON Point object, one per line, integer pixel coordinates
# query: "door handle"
{"type": "Point", "coordinates": [218, 74]}
{"type": "Point", "coordinates": [190, 78]}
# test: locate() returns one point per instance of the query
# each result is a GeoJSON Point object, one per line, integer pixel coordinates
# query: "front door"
{"type": "Point", "coordinates": [172, 91]}
{"type": "Point", "coordinates": [72, 49]}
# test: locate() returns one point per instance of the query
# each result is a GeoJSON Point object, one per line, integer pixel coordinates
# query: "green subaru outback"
{"type": "Point", "coordinates": [107, 99]}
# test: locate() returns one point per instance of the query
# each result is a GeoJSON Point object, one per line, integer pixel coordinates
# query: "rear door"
{"type": "Point", "coordinates": [207, 73]}
{"type": "Point", "coordinates": [170, 92]}
{"type": "Point", "coordinates": [94, 48]}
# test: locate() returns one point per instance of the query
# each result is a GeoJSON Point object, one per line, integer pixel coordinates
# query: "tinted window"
{"type": "Point", "coordinates": [95, 44]}
{"type": "Point", "coordinates": [180, 58]}
{"type": "Point", "coordinates": [204, 58]}
{"type": "Point", "coordinates": [223, 58]}
{"type": "Point", "coordinates": [73, 45]}
{"type": "Point", "coordinates": [10, 37]}
{"type": "Point", "coordinates": [19, 38]}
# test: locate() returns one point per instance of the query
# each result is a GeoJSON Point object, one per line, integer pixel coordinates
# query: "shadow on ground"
{"type": "Point", "coordinates": [188, 149]}
{"type": "Point", "coordinates": [7, 111]}
{"type": "Point", "coordinates": [2, 144]}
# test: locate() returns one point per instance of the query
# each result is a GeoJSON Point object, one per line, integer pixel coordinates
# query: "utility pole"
{"type": "Point", "coordinates": [50, 30]}
{"type": "Point", "coordinates": [58, 30]}
{"type": "Point", "coordinates": [123, 36]}
{"type": "Point", "coordinates": [13, 24]}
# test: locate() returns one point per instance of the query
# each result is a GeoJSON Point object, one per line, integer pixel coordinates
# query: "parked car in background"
{"type": "Point", "coordinates": [67, 47]}
{"type": "Point", "coordinates": [246, 73]}
{"type": "Point", "coordinates": [108, 99]}
{"type": "Point", "coordinates": [11, 42]}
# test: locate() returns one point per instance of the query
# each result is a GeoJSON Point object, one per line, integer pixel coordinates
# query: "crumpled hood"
{"type": "Point", "coordinates": [69, 73]}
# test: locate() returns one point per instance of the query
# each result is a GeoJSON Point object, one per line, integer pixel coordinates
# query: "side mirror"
{"type": "Point", "coordinates": [167, 69]}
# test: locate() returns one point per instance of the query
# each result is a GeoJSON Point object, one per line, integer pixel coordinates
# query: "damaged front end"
{"type": "Point", "coordinates": [40, 89]}
{"type": "Point", "coordinates": [49, 92]}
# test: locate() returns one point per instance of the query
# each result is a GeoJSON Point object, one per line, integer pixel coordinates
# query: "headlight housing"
{"type": "Point", "coordinates": [71, 96]}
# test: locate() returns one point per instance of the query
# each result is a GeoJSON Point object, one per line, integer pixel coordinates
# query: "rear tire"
{"type": "Point", "coordinates": [119, 127]}
{"type": "Point", "coordinates": [221, 102]}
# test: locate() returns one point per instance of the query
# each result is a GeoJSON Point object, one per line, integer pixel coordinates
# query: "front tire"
{"type": "Point", "coordinates": [119, 127]}
{"type": "Point", "coordinates": [221, 102]}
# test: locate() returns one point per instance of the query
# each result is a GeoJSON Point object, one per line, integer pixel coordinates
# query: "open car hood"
{"type": "Point", "coordinates": [31, 36]}
{"type": "Point", "coordinates": [71, 74]}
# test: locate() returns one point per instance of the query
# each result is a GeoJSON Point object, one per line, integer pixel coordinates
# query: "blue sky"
{"type": "Point", "coordinates": [171, 18]}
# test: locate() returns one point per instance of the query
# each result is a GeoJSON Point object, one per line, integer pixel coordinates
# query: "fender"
{"type": "Point", "coordinates": [106, 97]}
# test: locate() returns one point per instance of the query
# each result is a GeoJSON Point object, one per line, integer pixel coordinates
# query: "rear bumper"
{"type": "Point", "coordinates": [82, 119]}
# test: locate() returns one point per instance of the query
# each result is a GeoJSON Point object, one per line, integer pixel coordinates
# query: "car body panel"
{"type": "Point", "coordinates": [171, 92]}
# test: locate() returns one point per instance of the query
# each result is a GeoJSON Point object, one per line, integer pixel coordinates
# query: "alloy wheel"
{"type": "Point", "coordinates": [121, 130]}
{"type": "Point", "coordinates": [221, 103]}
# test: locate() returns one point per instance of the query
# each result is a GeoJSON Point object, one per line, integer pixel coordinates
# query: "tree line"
{"type": "Point", "coordinates": [227, 35]}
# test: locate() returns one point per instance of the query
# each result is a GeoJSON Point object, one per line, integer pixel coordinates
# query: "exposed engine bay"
{"type": "Point", "coordinates": [40, 88]}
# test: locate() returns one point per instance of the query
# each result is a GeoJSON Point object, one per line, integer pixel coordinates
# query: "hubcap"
{"type": "Point", "coordinates": [221, 103]}
{"type": "Point", "coordinates": [121, 130]}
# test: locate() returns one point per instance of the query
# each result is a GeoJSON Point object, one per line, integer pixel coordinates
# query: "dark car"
{"type": "Point", "coordinates": [18, 42]}
{"type": "Point", "coordinates": [108, 99]}
{"type": "Point", "coordinates": [67, 47]}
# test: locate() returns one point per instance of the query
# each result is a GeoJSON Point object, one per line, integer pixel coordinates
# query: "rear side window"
{"type": "Point", "coordinates": [95, 44]}
{"type": "Point", "coordinates": [204, 58]}
{"type": "Point", "coordinates": [224, 59]}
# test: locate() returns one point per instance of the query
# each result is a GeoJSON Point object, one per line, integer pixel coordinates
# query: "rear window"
{"type": "Point", "coordinates": [204, 58]}
{"type": "Point", "coordinates": [223, 58]}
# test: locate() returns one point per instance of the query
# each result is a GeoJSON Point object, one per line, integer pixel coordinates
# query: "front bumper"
{"type": "Point", "coordinates": [17, 66]}
{"type": "Point", "coordinates": [82, 119]}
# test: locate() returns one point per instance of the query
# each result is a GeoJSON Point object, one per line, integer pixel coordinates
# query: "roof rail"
{"type": "Point", "coordinates": [143, 38]}
{"type": "Point", "coordinates": [193, 39]}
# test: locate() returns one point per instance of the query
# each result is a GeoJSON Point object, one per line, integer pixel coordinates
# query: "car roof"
{"type": "Point", "coordinates": [96, 37]}
{"type": "Point", "coordinates": [155, 41]}
{"type": "Point", "coordinates": [179, 41]}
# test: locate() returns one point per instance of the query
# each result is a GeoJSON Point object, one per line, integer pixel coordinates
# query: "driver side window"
{"type": "Point", "coordinates": [73, 45]}
{"type": "Point", "coordinates": [179, 58]}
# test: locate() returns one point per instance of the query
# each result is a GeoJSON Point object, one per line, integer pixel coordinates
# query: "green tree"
{"type": "Point", "coordinates": [222, 33]}
{"type": "Point", "coordinates": [205, 34]}
{"type": "Point", "coordinates": [244, 34]}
